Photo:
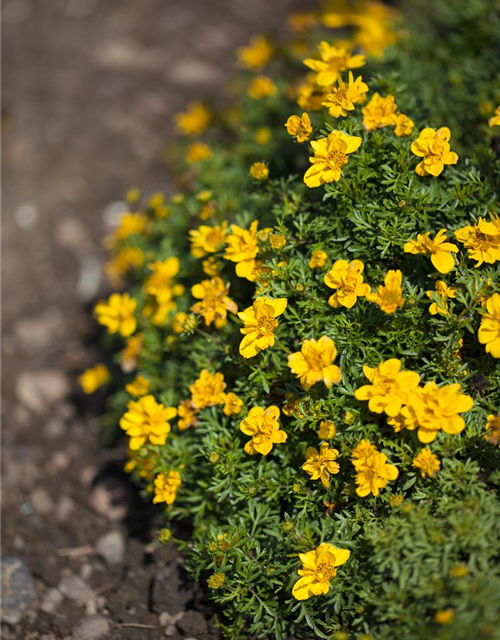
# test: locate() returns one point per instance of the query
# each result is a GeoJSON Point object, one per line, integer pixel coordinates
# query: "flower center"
{"type": "Point", "coordinates": [325, 571]}
{"type": "Point", "coordinates": [266, 325]}
{"type": "Point", "coordinates": [336, 159]}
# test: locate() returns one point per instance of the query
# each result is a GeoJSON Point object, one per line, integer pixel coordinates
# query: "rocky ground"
{"type": "Point", "coordinates": [89, 90]}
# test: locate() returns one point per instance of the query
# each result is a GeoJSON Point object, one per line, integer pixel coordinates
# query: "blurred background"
{"type": "Point", "coordinates": [89, 89]}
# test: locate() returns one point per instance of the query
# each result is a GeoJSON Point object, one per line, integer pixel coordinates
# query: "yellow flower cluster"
{"type": "Point", "coordinates": [318, 568]}
{"type": "Point", "coordinates": [263, 427]}
{"type": "Point", "coordinates": [147, 420]}
{"type": "Point", "coordinates": [373, 472]}
{"type": "Point", "coordinates": [94, 378]}
{"type": "Point", "coordinates": [166, 487]}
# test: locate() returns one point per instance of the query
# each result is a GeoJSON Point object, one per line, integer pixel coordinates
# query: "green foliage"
{"type": "Point", "coordinates": [424, 545]}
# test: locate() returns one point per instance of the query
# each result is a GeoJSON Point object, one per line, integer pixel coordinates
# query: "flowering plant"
{"type": "Point", "coordinates": [310, 338]}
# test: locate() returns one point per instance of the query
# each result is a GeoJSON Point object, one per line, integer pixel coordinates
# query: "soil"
{"type": "Point", "coordinates": [89, 89]}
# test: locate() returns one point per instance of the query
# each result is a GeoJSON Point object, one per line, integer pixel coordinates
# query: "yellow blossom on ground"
{"type": "Point", "coordinates": [232, 404]}
{"type": "Point", "coordinates": [187, 413]}
{"type": "Point", "coordinates": [318, 259]}
{"type": "Point", "coordinates": [343, 98]}
{"type": "Point", "coordinates": [94, 378]}
{"type": "Point", "coordinates": [263, 425]}
{"type": "Point", "coordinates": [493, 429]}
{"type": "Point", "coordinates": [256, 55]}
{"type": "Point", "coordinates": [318, 569]}
{"type": "Point", "coordinates": [389, 387]}
{"type": "Point", "coordinates": [310, 96]}
{"type": "Point", "coordinates": [320, 465]}
{"type": "Point", "coordinates": [138, 387]}
{"type": "Point", "coordinates": [261, 87]}
{"type": "Point", "coordinates": [263, 135]}
{"type": "Point", "coordinates": [427, 462]}
{"type": "Point", "coordinates": [439, 249]}
{"type": "Point", "coordinates": [259, 171]}
{"type": "Point", "coordinates": [495, 120]}
{"type": "Point", "coordinates": [166, 487]}
{"type": "Point", "coordinates": [117, 314]}
{"type": "Point", "coordinates": [197, 152]}
{"type": "Point", "coordinates": [403, 126]}
{"type": "Point", "coordinates": [314, 363]}
{"type": "Point", "coordinates": [242, 248]}
{"type": "Point", "coordinates": [214, 301]}
{"type": "Point", "coordinates": [444, 616]}
{"type": "Point", "coordinates": [431, 408]}
{"type": "Point", "coordinates": [160, 283]}
{"type": "Point", "coordinates": [333, 59]}
{"type": "Point", "coordinates": [327, 430]}
{"type": "Point", "coordinates": [489, 329]}
{"type": "Point", "coordinates": [330, 155]}
{"type": "Point", "coordinates": [208, 390]}
{"type": "Point", "coordinates": [442, 292]}
{"type": "Point", "coordinates": [206, 239]}
{"type": "Point", "coordinates": [379, 112]}
{"type": "Point", "coordinates": [131, 352]}
{"type": "Point", "coordinates": [126, 259]}
{"type": "Point", "coordinates": [147, 420]}
{"type": "Point", "coordinates": [434, 147]}
{"type": "Point", "coordinates": [373, 472]}
{"type": "Point", "coordinates": [481, 240]}
{"type": "Point", "coordinates": [131, 224]}
{"type": "Point", "coordinates": [299, 127]}
{"type": "Point", "coordinates": [389, 297]}
{"type": "Point", "coordinates": [260, 323]}
{"type": "Point", "coordinates": [194, 121]}
{"type": "Point", "coordinates": [347, 280]}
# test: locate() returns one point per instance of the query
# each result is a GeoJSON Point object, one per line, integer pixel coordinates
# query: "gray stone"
{"type": "Point", "coordinates": [91, 628]}
{"type": "Point", "coordinates": [111, 547]}
{"type": "Point", "coordinates": [51, 601]}
{"type": "Point", "coordinates": [74, 588]}
{"type": "Point", "coordinates": [111, 497]}
{"type": "Point", "coordinates": [38, 390]}
{"type": "Point", "coordinates": [169, 592]}
{"type": "Point", "coordinates": [18, 590]}
{"type": "Point", "coordinates": [192, 622]}
{"type": "Point", "coordinates": [41, 501]}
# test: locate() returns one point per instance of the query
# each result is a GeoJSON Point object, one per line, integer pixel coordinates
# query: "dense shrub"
{"type": "Point", "coordinates": [310, 335]}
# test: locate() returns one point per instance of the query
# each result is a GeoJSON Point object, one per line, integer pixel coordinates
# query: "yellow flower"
{"type": "Point", "coordinates": [481, 240]}
{"type": "Point", "coordinates": [318, 259]}
{"type": "Point", "coordinates": [442, 293]}
{"type": "Point", "coordinates": [333, 59]}
{"type": "Point", "coordinates": [495, 120]}
{"type": "Point", "coordinates": [117, 314]}
{"type": "Point", "coordinates": [434, 147]}
{"type": "Point", "coordinates": [343, 98]}
{"type": "Point", "coordinates": [427, 462]}
{"type": "Point", "coordinates": [214, 301]}
{"type": "Point", "coordinates": [263, 426]}
{"type": "Point", "coordinates": [262, 135]}
{"type": "Point", "coordinates": [194, 121]}
{"type": "Point", "coordinates": [145, 420]}
{"type": "Point", "coordinates": [232, 404]}
{"type": "Point", "coordinates": [389, 387]}
{"type": "Point", "coordinates": [256, 55]}
{"type": "Point", "coordinates": [138, 387]}
{"type": "Point", "coordinates": [347, 280]}
{"type": "Point", "coordinates": [127, 258]}
{"type": "Point", "coordinates": [489, 329]}
{"type": "Point", "coordinates": [216, 580]}
{"type": "Point", "coordinates": [178, 322]}
{"type": "Point", "coordinates": [327, 430]}
{"type": "Point", "coordinates": [403, 126]}
{"type": "Point", "coordinates": [131, 224]}
{"type": "Point", "coordinates": [187, 415]}
{"type": "Point", "coordinates": [277, 241]}
{"type": "Point", "coordinates": [389, 297]}
{"type": "Point", "coordinates": [310, 96]}
{"type": "Point", "coordinates": [291, 407]}
{"type": "Point", "coordinates": [318, 568]}
{"type": "Point", "coordinates": [330, 155]}
{"type": "Point", "coordinates": [444, 616]}
{"type": "Point", "coordinates": [432, 408]}
{"type": "Point", "coordinates": [242, 248]}
{"type": "Point", "coordinates": [314, 363]}
{"type": "Point", "coordinates": [493, 429]}
{"type": "Point", "coordinates": [300, 127]}
{"type": "Point", "coordinates": [211, 267]}
{"type": "Point", "coordinates": [208, 390]}
{"type": "Point", "coordinates": [321, 464]}
{"type": "Point", "coordinates": [379, 112]}
{"type": "Point", "coordinates": [261, 87]}
{"type": "Point", "coordinates": [197, 152]}
{"type": "Point", "coordinates": [260, 323]}
{"type": "Point", "coordinates": [439, 249]}
{"type": "Point", "coordinates": [94, 377]}
{"type": "Point", "coordinates": [166, 487]}
{"type": "Point", "coordinates": [373, 472]}
{"type": "Point", "coordinates": [133, 195]}
{"type": "Point", "coordinates": [159, 284]}
{"type": "Point", "coordinates": [259, 171]}
{"type": "Point", "coordinates": [205, 239]}
{"type": "Point", "coordinates": [131, 352]}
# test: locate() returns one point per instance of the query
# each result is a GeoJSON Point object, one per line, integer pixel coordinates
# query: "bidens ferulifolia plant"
{"type": "Point", "coordinates": [310, 332]}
